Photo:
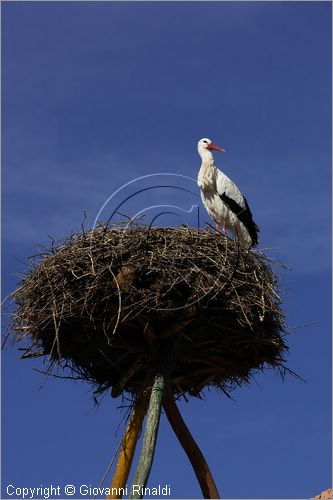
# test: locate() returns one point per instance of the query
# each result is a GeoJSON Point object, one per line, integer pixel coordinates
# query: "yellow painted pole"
{"type": "Point", "coordinates": [127, 451]}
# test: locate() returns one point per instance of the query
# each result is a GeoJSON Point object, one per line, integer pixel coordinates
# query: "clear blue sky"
{"type": "Point", "coordinates": [96, 94]}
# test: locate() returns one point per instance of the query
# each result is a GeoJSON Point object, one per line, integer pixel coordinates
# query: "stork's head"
{"type": "Point", "coordinates": [205, 144]}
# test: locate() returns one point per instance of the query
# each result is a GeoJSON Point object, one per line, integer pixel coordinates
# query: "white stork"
{"type": "Point", "coordinates": [222, 199]}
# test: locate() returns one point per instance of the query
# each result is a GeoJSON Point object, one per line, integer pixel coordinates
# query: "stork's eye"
{"type": "Point", "coordinates": [205, 142]}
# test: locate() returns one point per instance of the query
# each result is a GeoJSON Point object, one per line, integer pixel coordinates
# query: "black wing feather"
{"type": "Point", "coordinates": [244, 215]}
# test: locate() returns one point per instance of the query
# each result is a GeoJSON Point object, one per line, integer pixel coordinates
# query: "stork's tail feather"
{"type": "Point", "coordinates": [254, 235]}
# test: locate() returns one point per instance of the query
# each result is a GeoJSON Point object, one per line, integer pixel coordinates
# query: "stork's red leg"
{"type": "Point", "coordinates": [223, 231]}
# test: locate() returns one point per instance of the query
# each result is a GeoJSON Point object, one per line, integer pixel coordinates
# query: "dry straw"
{"type": "Point", "coordinates": [119, 304]}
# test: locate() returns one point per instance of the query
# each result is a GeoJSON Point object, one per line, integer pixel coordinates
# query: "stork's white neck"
{"type": "Point", "coordinates": [207, 170]}
{"type": "Point", "coordinates": [207, 157]}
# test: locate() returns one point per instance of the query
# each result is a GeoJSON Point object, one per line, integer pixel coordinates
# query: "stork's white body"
{"type": "Point", "coordinates": [223, 200]}
{"type": "Point", "coordinates": [212, 182]}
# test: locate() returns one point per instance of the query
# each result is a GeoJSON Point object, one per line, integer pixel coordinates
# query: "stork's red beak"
{"type": "Point", "coordinates": [217, 148]}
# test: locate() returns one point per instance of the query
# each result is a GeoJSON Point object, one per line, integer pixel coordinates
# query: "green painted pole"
{"type": "Point", "coordinates": [149, 439]}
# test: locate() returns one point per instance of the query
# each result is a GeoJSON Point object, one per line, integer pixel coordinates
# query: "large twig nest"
{"type": "Point", "coordinates": [117, 303]}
